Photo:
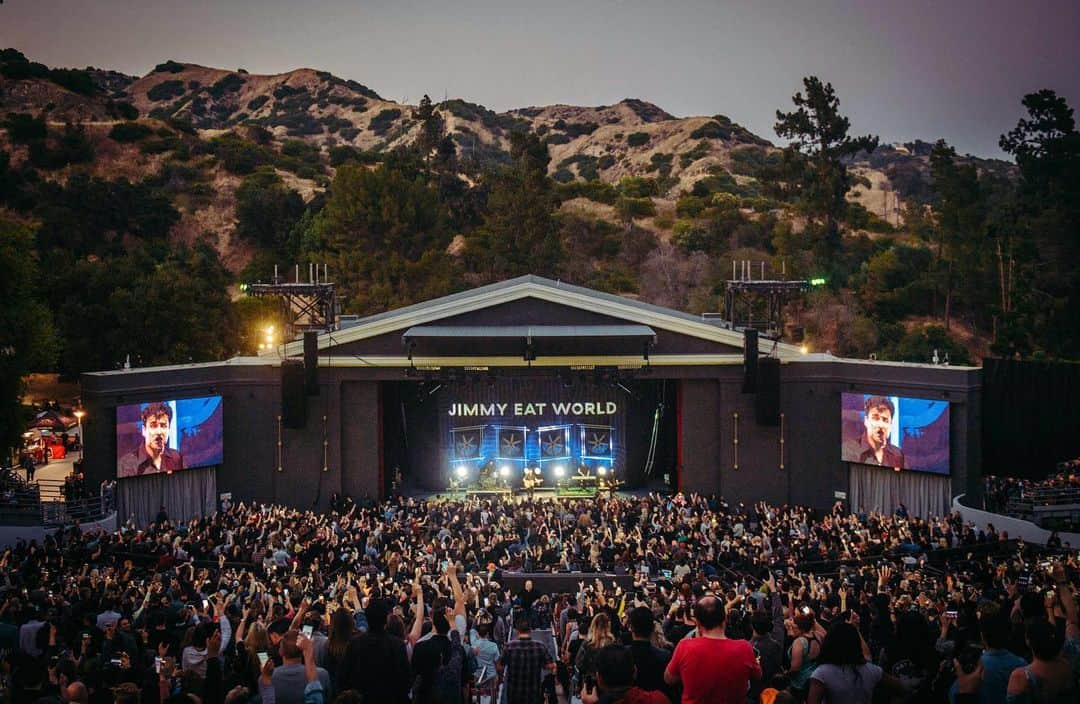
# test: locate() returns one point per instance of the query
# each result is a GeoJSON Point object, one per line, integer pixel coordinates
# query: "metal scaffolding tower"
{"type": "Point", "coordinates": [305, 305]}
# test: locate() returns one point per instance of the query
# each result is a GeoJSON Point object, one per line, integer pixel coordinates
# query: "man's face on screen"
{"type": "Point", "coordinates": [156, 433]}
{"type": "Point", "coordinates": [878, 424]}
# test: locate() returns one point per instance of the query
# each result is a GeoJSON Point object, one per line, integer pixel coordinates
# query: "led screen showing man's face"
{"type": "Point", "coordinates": [895, 431]}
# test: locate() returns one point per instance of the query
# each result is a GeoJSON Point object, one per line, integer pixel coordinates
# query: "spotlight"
{"type": "Point", "coordinates": [460, 471]}
{"type": "Point", "coordinates": [601, 470]}
{"type": "Point", "coordinates": [560, 471]}
{"type": "Point", "coordinates": [504, 471]}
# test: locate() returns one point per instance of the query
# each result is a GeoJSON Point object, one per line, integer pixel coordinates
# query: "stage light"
{"type": "Point", "coordinates": [601, 470]}
{"type": "Point", "coordinates": [461, 472]}
{"type": "Point", "coordinates": [804, 349]}
{"type": "Point", "coordinates": [504, 471]}
{"type": "Point", "coordinates": [560, 471]}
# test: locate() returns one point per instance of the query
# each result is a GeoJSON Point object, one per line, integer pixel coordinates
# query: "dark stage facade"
{"type": "Point", "coordinates": [532, 373]}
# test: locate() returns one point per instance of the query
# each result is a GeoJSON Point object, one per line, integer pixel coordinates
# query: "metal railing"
{"type": "Point", "coordinates": [45, 502]}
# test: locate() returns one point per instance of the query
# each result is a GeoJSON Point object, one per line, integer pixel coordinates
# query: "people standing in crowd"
{"type": "Point", "coordinates": [522, 665]}
{"type": "Point", "coordinates": [711, 667]}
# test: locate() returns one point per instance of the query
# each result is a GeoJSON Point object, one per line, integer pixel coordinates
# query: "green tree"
{"type": "Point", "coordinates": [267, 211]}
{"type": "Point", "coordinates": [960, 224]}
{"type": "Point", "coordinates": [27, 337]}
{"type": "Point", "coordinates": [520, 234]}
{"type": "Point", "coordinates": [1044, 249]}
{"type": "Point", "coordinates": [813, 169]}
{"type": "Point", "coordinates": [383, 234]}
{"type": "Point", "coordinates": [155, 304]}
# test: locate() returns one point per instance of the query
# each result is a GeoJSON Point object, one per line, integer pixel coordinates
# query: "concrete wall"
{"type": "Point", "coordinates": [9, 535]}
{"type": "Point", "coordinates": [1015, 527]}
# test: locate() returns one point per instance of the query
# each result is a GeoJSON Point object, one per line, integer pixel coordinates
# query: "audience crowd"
{"type": "Point", "coordinates": [677, 599]}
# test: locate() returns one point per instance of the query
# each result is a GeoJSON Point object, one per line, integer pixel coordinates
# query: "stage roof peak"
{"type": "Point", "coordinates": [538, 287]}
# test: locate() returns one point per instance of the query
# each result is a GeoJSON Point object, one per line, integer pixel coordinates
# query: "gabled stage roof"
{"type": "Point", "coordinates": [537, 287]}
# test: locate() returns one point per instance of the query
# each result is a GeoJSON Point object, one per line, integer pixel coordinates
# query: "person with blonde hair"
{"type": "Point", "coordinates": [598, 636]}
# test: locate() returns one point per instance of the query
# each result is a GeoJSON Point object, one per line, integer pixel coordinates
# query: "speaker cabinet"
{"type": "Point", "coordinates": [750, 361]}
{"type": "Point", "coordinates": [767, 401]}
{"type": "Point", "coordinates": [293, 398]}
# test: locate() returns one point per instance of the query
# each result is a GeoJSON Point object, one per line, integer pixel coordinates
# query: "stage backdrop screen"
{"type": "Point", "coordinates": [539, 423]}
{"type": "Point", "coordinates": [895, 431]}
{"type": "Point", "coordinates": [167, 436]}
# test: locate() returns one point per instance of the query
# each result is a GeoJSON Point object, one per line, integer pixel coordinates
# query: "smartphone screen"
{"type": "Point", "coordinates": [205, 603]}
{"type": "Point", "coordinates": [263, 657]}
{"type": "Point", "coordinates": [306, 630]}
{"type": "Point", "coordinates": [157, 665]}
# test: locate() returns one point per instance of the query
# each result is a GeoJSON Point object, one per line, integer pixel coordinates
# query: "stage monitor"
{"type": "Point", "coordinates": [895, 431]}
{"type": "Point", "coordinates": [168, 436]}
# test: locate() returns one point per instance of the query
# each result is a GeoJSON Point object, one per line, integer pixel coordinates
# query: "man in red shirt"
{"type": "Point", "coordinates": [712, 669]}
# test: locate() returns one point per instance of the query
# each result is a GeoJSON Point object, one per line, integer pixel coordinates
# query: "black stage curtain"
{"type": "Point", "coordinates": [186, 494]}
{"type": "Point", "coordinates": [1030, 416]}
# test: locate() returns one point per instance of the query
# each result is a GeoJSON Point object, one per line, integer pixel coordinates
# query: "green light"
{"type": "Point", "coordinates": [820, 281]}
{"type": "Point", "coordinates": [243, 288]}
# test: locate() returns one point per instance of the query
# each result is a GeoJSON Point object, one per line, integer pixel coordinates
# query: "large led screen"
{"type": "Point", "coordinates": [167, 436]}
{"type": "Point", "coordinates": [895, 431]}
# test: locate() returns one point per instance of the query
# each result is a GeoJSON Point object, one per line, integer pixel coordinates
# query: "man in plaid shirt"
{"type": "Point", "coordinates": [522, 664]}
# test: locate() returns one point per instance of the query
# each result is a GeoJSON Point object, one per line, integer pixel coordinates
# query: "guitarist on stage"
{"type": "Point", "coordinates": [531, 480]}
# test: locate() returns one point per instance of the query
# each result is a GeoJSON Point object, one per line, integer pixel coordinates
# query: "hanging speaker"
{"type": "Point", "coordinates": [293, 398]}
{"type": "Point", "coordinates": [767, 401]}
{"type": "Point", "coordinates": [750, 361]}
{"type": "Point", "coordinates": [311, 363]}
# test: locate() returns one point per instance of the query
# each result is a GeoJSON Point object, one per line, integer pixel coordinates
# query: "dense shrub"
{"type": "Point", "coordinates": [23, 128]}
{"type": "Point", "coordinates": [586, 166]}
{"type": "Point", "coordinates": [166, 90]}
{"type": "Point", "coordinates": [637, 139]}
{"type": "Point", "coordinates": [559, 138]}
{"type": "Point", "coordinates": [229, 84]}
{"type": "Point", "coordinates": [630, 208]}
{"type": "Point", "coordinates": [384, 120]}
{"type": "Point", "coordinates": [579, 129]}
{"type": "Point", "coordinates": [130, 132]}
{"type": "Point", "coordinates": [285, 91]}
{"type": "Point", "coordinates": [606, 162]}
{"type": "Point", "coordinates": [638, 187]}
{"type": "Point", "coordinates": [661, 163]}
{"type": "Point", "coordinates": [751, 161]}
{"type": "Point", "coordinates": [598, 191]}
{"type": "Point", "coordinates": [563, 175]}
{"type": "Point", "coordinates": [169, 66]}
{"type": "Point", "coordinates": [711, 130]}
{"type": "Point", "coordinates": [74, 80]}
{"type": "Point", "coordinates": [700, 151]}
{"type": "Point", "coordinates": [691, 206]}
{"type": "Point", "coordinates": [160, 145]}
{"type": "Point", "coordinates": [349, 133]}
{"type": "Point", "coordinates": [122, 110]}
{"type": "Point", "coordinates": [259, 135]}
{"type": "Point", "coordinates": [237, 155]}
{"type": "Point", "coordinates": [72, 147]}
{"type": "Point", "coordinates": [334, 123]}
{"type": "Point", "coordinates": [257, 102]}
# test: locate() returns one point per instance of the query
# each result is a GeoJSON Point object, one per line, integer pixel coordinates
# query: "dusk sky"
{"type": "Point", "coordinates": [953, 69]}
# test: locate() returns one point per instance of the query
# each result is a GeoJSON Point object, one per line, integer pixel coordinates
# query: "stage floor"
{"type": "Point", "coordinates": [546, 493]}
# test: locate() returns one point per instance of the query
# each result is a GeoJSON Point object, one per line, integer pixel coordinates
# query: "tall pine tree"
{"type": "Point", "coordinates": [813, 168]}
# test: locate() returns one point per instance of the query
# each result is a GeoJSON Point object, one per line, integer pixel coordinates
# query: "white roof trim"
{"type": "Point", "coordinates": [620, 360]}
{"type": "Point", "coordinates": [531, 287]}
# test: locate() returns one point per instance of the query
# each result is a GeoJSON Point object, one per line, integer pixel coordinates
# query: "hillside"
{"type": "Point", "coordinates": [196, 134]}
